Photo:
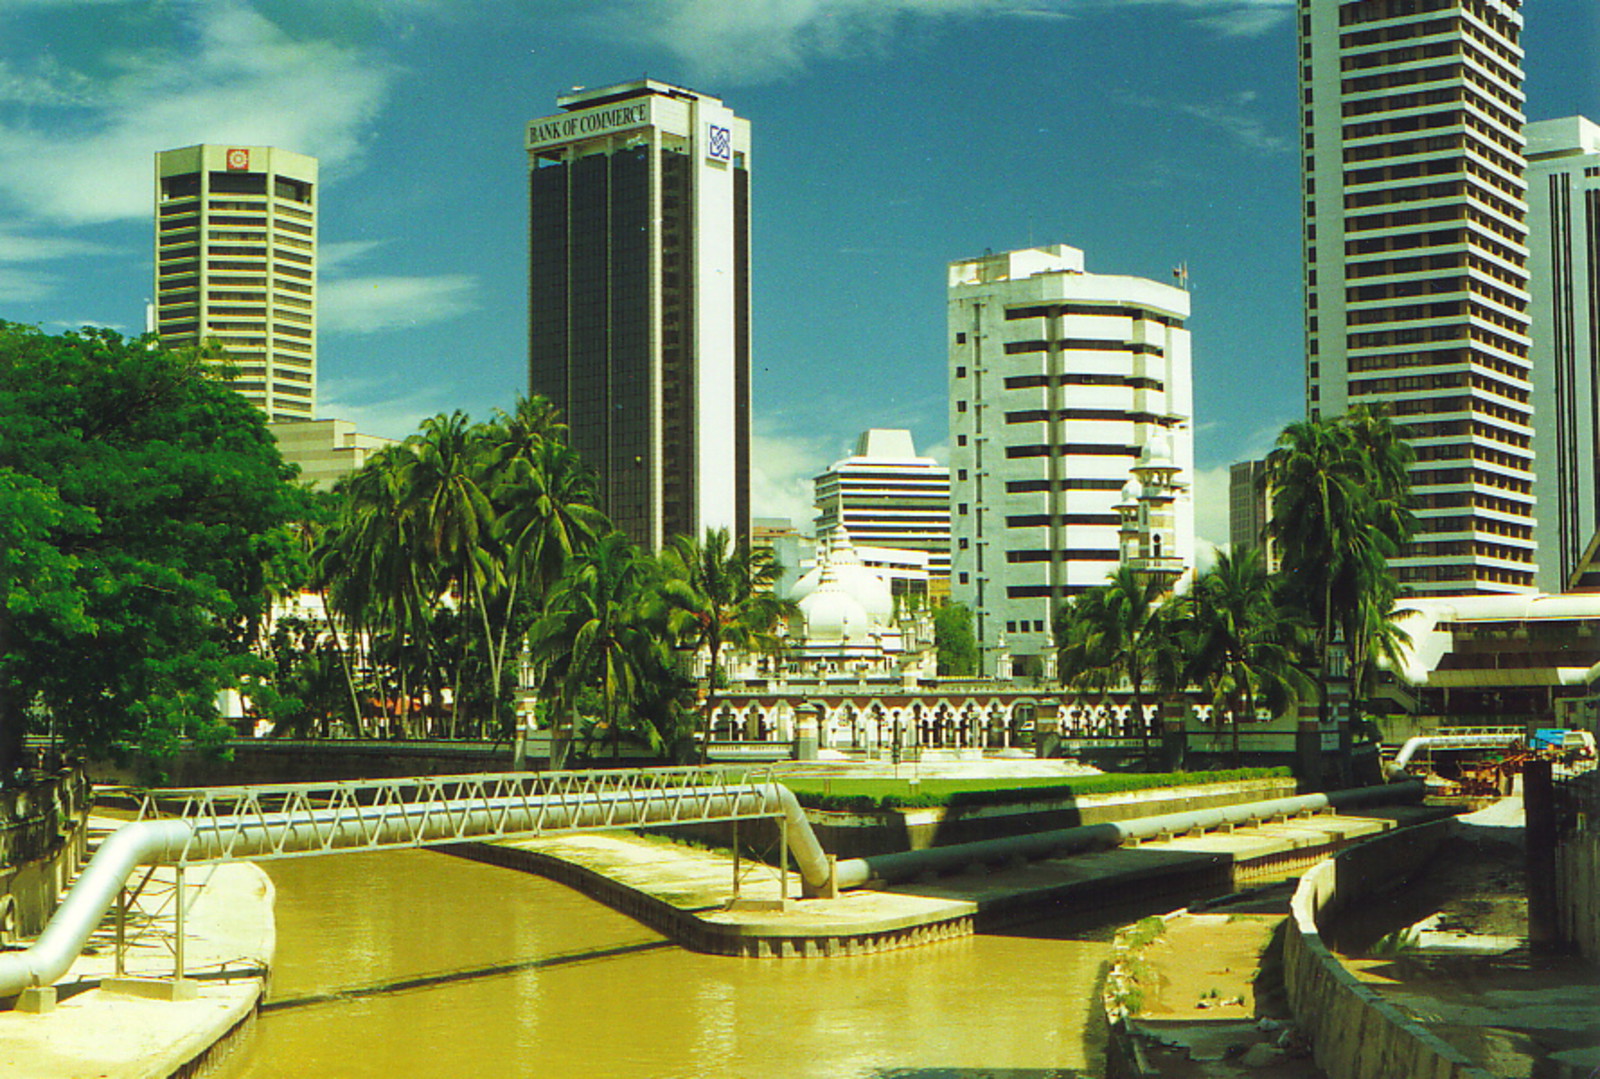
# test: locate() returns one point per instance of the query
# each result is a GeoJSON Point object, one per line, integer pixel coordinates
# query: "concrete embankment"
{"type": "Point", "coordinates": [686, 893]}
{"type": "Point", "coordinates": [1355, 1032]}
{"type": "Point", "coordinates": [131, 1033]}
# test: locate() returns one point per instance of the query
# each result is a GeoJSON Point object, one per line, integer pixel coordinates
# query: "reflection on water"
{"type": "Point", "coordinates": [416, 964]}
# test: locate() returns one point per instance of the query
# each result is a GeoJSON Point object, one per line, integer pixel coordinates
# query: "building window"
{"type": "Point", "coordinates": [962, 509]}
{"type": "Point", "coordinates": [961, 544]}
{"type": "Point", "coordinates": [963, 578]}
{"type": "Point", "coordinates": [961, 406]}
{"type": "Point", "coordinates": [1011, 627]}
{"type": "Point", "coordinates": [961, 338]}
{"type": "Point", "coordinates": [961, 440]}
{"type": "Point", "coordinates": [961, 372]}
{"type": "Point", "coordinates": [961, 474]}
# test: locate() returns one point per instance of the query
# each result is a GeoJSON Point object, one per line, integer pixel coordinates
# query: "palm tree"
{"type": "Point", "coordinates": [1107, 636]}
{"type": "Point", "coordinates": [720, 595]}
{"type": "Point", "coordinates": [443, 486]}
{"type": "Point", "coordinates": [594, 632]}
{"type": "Point", "coordinates": [1244, 647]}
{"type": "Point", "coordinates": [1340, 511]}
{"type": "Point", "coordinates": [545, 514]}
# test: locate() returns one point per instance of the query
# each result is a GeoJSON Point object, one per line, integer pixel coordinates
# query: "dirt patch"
{"type": "Point", "coordinates": [1203, 991]}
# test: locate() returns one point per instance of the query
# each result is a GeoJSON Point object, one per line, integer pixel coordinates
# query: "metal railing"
{"type": "Point", "coordinates": [296, 819]}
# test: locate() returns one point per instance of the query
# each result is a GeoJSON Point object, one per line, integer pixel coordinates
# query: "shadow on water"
{"type": "Point", "coordinates": [452, 977]}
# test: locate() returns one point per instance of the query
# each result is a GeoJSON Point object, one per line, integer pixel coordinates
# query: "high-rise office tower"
{"type": "Point", "coordinates": [1415, 253]}
{"type": "Point", "coordinates": [639, 300]}
{"type": "Point", "coordinates": [1065, 387]}
{"type": "Point", "coordinates": [236, 262]}
{"type": "Point", "coordinates": [1248, 508]}
{"type": "Point", "coordinates": [1564, 237]}
{"type": "Point", "coordinates": [887, 496]}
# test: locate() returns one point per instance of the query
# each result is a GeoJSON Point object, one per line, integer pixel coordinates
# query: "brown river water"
{"type": "Point", "coordinates": [419, 964]}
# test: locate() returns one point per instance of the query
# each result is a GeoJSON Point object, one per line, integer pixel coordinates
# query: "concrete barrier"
{"type": "Point", "coordinates": [1356, 1034]}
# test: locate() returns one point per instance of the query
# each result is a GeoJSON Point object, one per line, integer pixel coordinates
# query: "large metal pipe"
{"type": "Point", "coordinates": [1397, 767]}
{"type": "Point", "coordinates": [160, 842]}
{"type": "Point", "coordinates": [908, 865]}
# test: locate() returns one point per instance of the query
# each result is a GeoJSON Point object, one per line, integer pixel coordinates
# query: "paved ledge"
{"type": "Point", "coordinates": [96, 1034]}
{"type": "Point", "coordinates": [686, 892]}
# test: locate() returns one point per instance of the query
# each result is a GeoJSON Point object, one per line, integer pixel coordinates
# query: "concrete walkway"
{"type": "Point", "coordinates": [687, 892]}
{"type": "Point", "coordinates": [95, 1034]}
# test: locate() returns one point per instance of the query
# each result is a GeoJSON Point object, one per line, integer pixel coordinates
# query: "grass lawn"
{"type": "Point", "coordinates": [822, 792]}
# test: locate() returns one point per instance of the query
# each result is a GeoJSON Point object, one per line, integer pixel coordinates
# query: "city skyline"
{"type": "Point", "coordinates": [894, 137]}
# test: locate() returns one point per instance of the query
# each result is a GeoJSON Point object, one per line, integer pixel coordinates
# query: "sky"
{"type": "Point", "coordinates": [889, 138]}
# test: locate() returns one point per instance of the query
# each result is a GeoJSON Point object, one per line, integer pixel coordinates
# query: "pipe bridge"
{"type": "Point", "coordinates": [188, 827]}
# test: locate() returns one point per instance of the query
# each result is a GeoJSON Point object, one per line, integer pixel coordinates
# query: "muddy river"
{"type": "Point", "coordinates": [419, 964]}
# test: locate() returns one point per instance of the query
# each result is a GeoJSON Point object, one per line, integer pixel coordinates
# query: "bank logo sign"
{"type": "Point", "coordinates": [719, 143]}
{"type": "Point", "coordinates": [238, 160]}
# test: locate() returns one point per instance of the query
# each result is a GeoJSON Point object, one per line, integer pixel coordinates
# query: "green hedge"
{"type": "Point", "coordinates": [869, 795]}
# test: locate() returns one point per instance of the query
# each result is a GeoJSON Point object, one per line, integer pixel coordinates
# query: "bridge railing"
{"type": "Point", "coordinates": [294, 819]}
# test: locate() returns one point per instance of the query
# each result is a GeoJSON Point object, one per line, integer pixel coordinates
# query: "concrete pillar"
{"type": "Point", "coordinates": [1539, 833]}
{"type": "Point", "coordinates": [807, 723]}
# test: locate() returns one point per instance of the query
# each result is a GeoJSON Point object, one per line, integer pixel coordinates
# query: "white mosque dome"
{"type": "Point", "coordinates": [841, 599]}
{"type": "Point", "coordinates": [1157, 452]}
{"type": "Point", "coordinates": [832, 614]}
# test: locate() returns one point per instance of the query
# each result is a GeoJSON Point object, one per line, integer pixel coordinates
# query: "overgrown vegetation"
{"type": "Point", "coordinates": [868, 795]}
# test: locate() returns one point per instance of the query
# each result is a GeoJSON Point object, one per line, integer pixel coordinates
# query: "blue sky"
{"type": "Point", "coordinates": [889, 138]}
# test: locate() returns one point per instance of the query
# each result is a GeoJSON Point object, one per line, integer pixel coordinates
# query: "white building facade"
{"type": "Point", "coordinates": [889, 497]}
{"type": "Point", "coordinates": [639, 300]}
{"type": "Point", "coordinates": [1060, 381]}
{"type": "Point", "coordinates": [1564, 239]}
{"type": "Point", "coordinates": [1415, 263]}
{"type": "Point", "coordinates": [236, 263]}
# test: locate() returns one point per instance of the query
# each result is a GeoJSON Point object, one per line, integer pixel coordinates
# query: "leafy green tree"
{"type": "Point", "coordinates": [146, 512]}
{"type": "Point", "coordinates": [720, 595]}
{"type": "Point", "coordinates": [954, 641]}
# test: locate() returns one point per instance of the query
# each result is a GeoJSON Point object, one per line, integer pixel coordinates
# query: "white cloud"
{"type": "Point", "coordinates": [387, 417]}
{"type": "Point", "coordinates": [336, 255]}
{"type": "Point", "coordinates": [754, 41]}
{"type": "Point", "coordinates": [22, 247]}
{"type": "Point", "coordinates": [83, 153]}
{"type": "Point", "coordinates": [782, 467]}
{"type": "Point", "coordinates": [1210, 510]}
{"type": "Point", "coordinates": [29, 284]}
{"type": "Point", "coordinates": [378, 303]}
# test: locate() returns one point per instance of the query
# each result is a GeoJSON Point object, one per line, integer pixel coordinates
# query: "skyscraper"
{"type": "Point", "coordinates": [887, 496]}
{"type": "Point", "coordinates": [1248, 508]}
{"type": "Point", "coordinates": [1064, 386]}
{"type": "Point", "coordinates": [1564, 227]}
{"type": "Point", "coordinates": [236, 261]}
{"type": "Point", "coordinates": [639, 300]}
{"type": "Point", "coordinates": [1415, 254]}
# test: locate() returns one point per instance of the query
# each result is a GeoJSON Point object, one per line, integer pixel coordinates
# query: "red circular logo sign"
{"type": "Point", "coordinates": [238, 160]}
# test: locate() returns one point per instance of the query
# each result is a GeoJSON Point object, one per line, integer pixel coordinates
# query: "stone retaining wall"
{"type": "Point", "coordinates": [42, 843]}
{"type": "Point", "coordinates": [1355, 1033]}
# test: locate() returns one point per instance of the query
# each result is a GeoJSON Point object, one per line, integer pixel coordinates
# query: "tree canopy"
{"type": "Point", "coordinates": [144, 515]}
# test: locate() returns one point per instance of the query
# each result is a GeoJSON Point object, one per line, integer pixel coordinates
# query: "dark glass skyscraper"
{"type": "Point", "coordinates": [639, 300]}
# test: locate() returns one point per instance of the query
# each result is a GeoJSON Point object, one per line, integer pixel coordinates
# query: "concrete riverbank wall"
{"type": "Point", "coordinates": [1578, 868]}
{"type": "Point", "coordinates": [42, 830]}
{"type": "Point", "coordinates": [866, 833]}
{"type": "Point", "coordinates": [1355, 1033]}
